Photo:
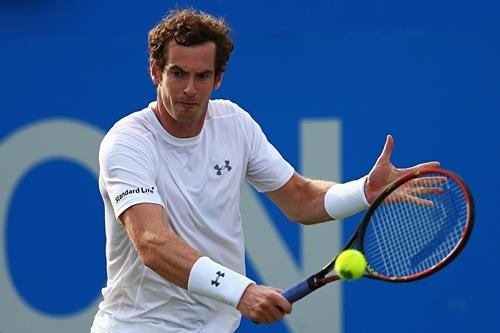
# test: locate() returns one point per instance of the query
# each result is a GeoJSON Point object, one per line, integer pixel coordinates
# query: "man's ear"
{"type": "Point", "coordinates": [155, 72]}
{"type": "Point", "coordinates": [218, 80]}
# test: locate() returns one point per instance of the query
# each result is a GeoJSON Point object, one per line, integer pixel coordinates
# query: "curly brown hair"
{"type": "Point", "coordinates": [189, 27]}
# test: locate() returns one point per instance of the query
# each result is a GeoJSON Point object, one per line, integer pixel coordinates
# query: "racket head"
{"type": "Point", "coordinates": [405, 241]}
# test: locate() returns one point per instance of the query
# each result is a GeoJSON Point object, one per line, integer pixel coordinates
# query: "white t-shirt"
{"type": "Point", "coordinates": [198, 182]}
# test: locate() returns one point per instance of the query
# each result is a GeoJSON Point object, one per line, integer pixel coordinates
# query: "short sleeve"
{"type": "Point", "coordinates": [127, 170]}
{"type": "Point", "coordinates": [267, 170]}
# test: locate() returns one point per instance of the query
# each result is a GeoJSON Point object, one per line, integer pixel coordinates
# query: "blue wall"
{"type": "Point", "coordinates": [425, 71]}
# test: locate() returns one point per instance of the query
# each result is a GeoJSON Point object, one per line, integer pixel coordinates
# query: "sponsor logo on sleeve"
{"type": "Point", "coordinates": [134, 191]}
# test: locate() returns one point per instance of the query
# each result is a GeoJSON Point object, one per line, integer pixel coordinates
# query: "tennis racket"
{"type": "Point", "coordinates": [417, 226]}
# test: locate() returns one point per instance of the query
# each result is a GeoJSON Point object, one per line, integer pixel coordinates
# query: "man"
{"type": "Point", "coordinates": [170, 178]}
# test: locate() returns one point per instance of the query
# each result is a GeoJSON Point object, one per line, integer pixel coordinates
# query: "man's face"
{"type": "Point", "coordinates": [186, 82]}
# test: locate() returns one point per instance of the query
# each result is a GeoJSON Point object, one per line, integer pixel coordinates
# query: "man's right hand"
{"type": "Point", "coordinates": [264, 304]}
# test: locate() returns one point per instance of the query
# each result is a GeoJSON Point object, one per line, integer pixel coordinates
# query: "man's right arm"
{"type": "Point", "coordinates": [168, 255]}
{"type": "Point", "coordinates": [159, 248]}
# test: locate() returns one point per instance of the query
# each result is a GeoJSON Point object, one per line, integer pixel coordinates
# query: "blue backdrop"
{"type": "Point", "coordinates": [426, 72]}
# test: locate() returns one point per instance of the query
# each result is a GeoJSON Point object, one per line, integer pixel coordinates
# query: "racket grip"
{"type": "Point", "coordinates": [296, 292]}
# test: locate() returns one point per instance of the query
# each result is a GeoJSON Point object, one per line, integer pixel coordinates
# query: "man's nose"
{"type": "Point", "coordinates": [190, 89]}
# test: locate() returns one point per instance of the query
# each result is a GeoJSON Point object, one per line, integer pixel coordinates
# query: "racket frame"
{"type": "Point", "coordinates": [442, 263]}
{"type": "Point", "coordinates": [315, 281]}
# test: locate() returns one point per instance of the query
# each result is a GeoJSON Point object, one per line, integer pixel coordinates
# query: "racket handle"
{"type": "Point", "coordinates": [297, 291]}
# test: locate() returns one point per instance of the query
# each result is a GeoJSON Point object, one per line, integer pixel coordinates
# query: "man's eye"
{"type": "Point", "coordinates": [177, 74]}
{"type": "Point", "coordinates": [204, 76]}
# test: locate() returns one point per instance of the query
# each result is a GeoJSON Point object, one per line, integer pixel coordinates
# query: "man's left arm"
{"type": "Point", "coordinates": [309, 201]}
{"type": "Point", "coordinates": [302, 199]}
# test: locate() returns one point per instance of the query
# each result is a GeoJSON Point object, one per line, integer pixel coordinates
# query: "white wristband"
{"type": "Point", "coordinates": [208, 278]}
{"type": "Point", "coordinates": [343, 200]}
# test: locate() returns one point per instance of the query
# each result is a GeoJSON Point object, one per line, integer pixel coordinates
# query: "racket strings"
{"type": "Point", "coordinates": [404, 239]}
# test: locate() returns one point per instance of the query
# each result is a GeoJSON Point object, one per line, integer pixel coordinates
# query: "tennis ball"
{"type": "Point", "coordinates": [350, 264]}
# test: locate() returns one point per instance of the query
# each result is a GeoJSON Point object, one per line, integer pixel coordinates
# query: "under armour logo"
{"type": "Point", "coordinates": [219, 169]}
{"type": "Point", "coordinates": [216, 281]}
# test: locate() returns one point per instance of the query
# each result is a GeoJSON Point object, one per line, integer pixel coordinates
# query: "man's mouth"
{"type": "Point", "coordinates": [188, 105]}
{"type": "Point", "coordinates": [188, 102]}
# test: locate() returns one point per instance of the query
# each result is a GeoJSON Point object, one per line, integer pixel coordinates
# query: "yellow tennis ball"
{"type": "Point", "coordinates": [350, 264]}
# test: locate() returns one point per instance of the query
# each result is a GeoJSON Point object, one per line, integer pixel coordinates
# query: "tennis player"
{"type": "Point", "coordinates": [170, 178]}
